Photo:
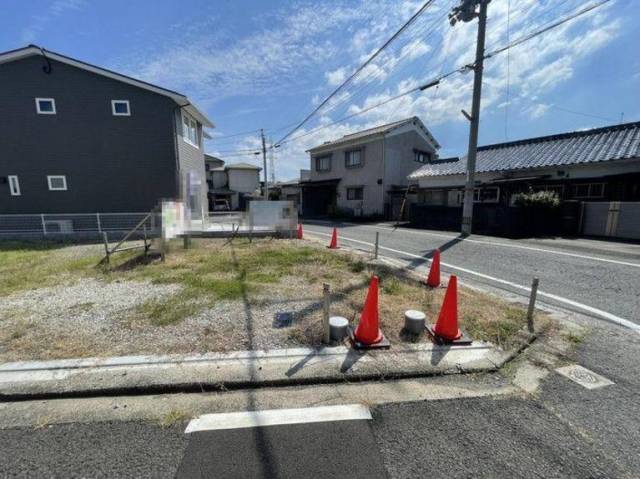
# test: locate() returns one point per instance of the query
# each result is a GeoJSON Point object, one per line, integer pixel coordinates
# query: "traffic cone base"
{"type": "Point", "coordinates": [462, 340]}
{"type": "Point", "coordinates": [383, 342]}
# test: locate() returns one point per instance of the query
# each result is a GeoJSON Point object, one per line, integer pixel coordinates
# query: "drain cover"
{"type": "Point", "coordinates": [584, 377]}
{"type": "Point", "coordinates": [283, 320]}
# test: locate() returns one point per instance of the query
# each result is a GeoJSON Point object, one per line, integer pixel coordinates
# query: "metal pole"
{"type": "Point", "coordinates": [532, 304]}
{"type": "Point", "coordinates": [146, 248]}
{"type": "Point", "coordinates": [467, 210]}
{"type": "Point", "coordinates": [98, 221]}
{"type": "Point", "coordinates": [375, 251]}
{"type": "Point", "coordinates": [44, 225]}
{"type": "Point", "coordinates": [264, 162]}
{"type": "Point", "coordinates": [325, 314]}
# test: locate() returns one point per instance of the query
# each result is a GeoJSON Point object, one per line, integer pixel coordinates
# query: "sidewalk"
{"type": "Point", "coordinates": [245, 369]}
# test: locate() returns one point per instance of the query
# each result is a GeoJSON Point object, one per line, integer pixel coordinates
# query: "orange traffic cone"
{"type": "Point", "coordinates": [433, 279]}
{"type": "Point", "coordinates": [299, 230]}
{"type": "Point", "coordinates": [447, 326]}
{"type": "Point", "coordinates": [334, 240]}
{"type": "Point", "coordinates": [367, 333]}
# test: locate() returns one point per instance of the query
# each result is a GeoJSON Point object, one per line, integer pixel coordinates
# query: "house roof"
{"type": "Point", "coordinates": [179, 98]}
{"type": "Point", "coordinates": [212, 158]}
{"type": "Point", "coordinates": [615, 142]}
{"type": "Point", "coordinates": [242, 166]}
{"type": "Point", "coordinates": [376, 131]}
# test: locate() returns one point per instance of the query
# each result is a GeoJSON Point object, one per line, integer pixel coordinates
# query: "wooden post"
{"type": "Point", "coordinates": [146, 246]}
{"type": "Point", "coordinates": [325, 314]}
{"type": "Point", "coordinates": [532, 304]}
{"type": "Point", "coordinates": [375, 251]}
{"type": "Point", "coordinates": [106, 245]}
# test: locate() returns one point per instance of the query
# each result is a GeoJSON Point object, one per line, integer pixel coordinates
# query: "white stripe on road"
{"type": "Point", "coordinates": [591, 310]}
{"type": "Point", "coordinates": [506, 245]}
{"type": "Point", "coordinates": [274, 417]}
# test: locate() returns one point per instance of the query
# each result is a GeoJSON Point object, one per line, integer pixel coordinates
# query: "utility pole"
{"type": "Point", "coordinates": [466, 12]}
{"type": "Point", "coordinates": [264, 163]}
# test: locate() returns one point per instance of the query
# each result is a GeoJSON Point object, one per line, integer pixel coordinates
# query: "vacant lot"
{"type": "Point", "coordinates": [57, 302]}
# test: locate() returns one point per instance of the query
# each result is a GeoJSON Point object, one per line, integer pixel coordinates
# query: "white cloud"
{"type": "Point", "coordinates": [55, 9]}
{"type": "Point", "coordinates": [335, 77]}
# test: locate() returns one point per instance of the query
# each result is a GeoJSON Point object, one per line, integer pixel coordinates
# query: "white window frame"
{"type": "Point", "coordinates": [192, 123]}
{"type": "Point", "coordinates": [589, 187]}
{"type": "Point", "coordinates": [64, 180]}
{"type": "Point", "coordinates": [14, 185]}
{"type": "Point", "coordinates": [113, 108]}
{"type": "Point", "coordinates": [53, 103]}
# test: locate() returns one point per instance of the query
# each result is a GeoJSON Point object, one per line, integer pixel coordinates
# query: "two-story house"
{"type": "Point", "coordinates": [231, 186]}
{"type": "Point", "coordinates": [364, 173]}
{"type": "Point", "coordinates": [78, 138]}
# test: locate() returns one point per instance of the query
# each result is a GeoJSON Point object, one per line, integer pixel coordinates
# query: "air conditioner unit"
{"type": "Point", "coordinates": [59, 226]}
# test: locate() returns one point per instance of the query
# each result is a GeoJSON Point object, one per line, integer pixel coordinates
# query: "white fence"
{"type": "Point", "coordinates": [74, 224]}
{"type": "Point", "coordinates": [616, 219]}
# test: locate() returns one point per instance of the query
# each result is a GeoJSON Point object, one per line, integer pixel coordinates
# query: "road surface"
{"type": "Point", "coordinates": [596, 278]}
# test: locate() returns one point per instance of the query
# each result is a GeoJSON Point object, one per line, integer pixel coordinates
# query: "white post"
{"type": "Point", "coordinates": [44, 225]}
{"type": "Point", "coordinates": [98, 222]}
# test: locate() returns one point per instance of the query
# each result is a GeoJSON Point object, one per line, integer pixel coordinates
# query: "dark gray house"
{"type": "Point", "coordinates": [77, 138]}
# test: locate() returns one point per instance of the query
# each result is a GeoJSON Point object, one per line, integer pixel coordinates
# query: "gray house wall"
{"type": "Point", "coordinates": [366, 176]}
{"type": "Point", "coordinates": [400, 157]}
{"type": "Point", "coordinates": [191, 158]}
{"type": "Point", "coordinates": [112, 163]}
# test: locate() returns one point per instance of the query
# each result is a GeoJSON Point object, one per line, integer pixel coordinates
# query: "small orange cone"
{"type": "Point", "coordinates": [447, 326]}
{"type": "Point", "coordinates": [299, 230]}
{"type": "Point", "coordinates": [368, 332]}
{"type": "Point", "coordinates": [433, 279]}
{"type": "Point", "coordinates": [334, 240]}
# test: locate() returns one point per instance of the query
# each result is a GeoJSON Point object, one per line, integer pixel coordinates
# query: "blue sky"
{"type": "Point", "coordinates": [266, 64]}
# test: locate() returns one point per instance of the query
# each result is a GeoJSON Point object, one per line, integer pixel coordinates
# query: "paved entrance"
{"type": "Point", "coordinates": [328, 442]}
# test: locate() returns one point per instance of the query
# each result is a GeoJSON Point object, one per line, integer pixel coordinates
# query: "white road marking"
{"type": "Point", "coordinates": [591, 310]}
{"type": "Point", "coordinates": [274, 417]}
{"type": "Point", "coordinates": [506, 245]}
{"type": "Point", "coordinates": [584, 377]}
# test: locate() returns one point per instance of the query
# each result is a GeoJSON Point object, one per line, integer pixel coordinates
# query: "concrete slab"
{"type": "Point", "coordinates": [218, 371]}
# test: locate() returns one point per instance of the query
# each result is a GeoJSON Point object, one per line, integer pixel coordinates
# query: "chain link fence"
{"type": "Point", "coordinates": [74, 225]}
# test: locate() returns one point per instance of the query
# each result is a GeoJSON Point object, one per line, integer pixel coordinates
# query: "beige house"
{"type": "Point", "coordinates": [231, 186]}
{"type": "Point", "coordinates": [365, 173]}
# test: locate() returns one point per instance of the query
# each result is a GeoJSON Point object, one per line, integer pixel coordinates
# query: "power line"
{"type": "Point", "coordinates": [464, 68]}
{"type": "Point", "coordinates": [359, 69]}
{"type": "Point", "coordinates": [553, 25]}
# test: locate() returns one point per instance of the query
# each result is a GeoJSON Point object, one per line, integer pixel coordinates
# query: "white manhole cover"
{"type": "Point", "coordinates": [583, 376]}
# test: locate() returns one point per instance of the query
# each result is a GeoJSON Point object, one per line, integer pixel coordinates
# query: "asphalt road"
{"type": "Point", "coordinates": [562, 431]}
{"type": "Point", "coordinates": [591, 273]}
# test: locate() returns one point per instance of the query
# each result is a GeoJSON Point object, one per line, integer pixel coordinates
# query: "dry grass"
{"type": "Point", "coordinates": [249, 280]}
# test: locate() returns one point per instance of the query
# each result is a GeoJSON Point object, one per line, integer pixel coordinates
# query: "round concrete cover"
{"type": "Point", "coordinates": [338, 322]}
{"type": "Point", "coordinates": [414, 315]}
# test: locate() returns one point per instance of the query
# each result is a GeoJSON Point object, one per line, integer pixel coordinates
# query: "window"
{"type": "Point", "coordinates": [421, 156]}
{"type": "Point", "coordinates": [356, 193]}
{"type": "Point", "coordinates": [190, 130]}
{"type": "Point", "coordinates": [57, 183]}
{"type": "Point", "coordinates": [489, 194]}
{"type": "Point", "coordinates": [353, 159]}
{"type": "Point", "coordinates": [323, 163]}
{"type": "Point", "coordinates": [14, 185]}
{"type": "Point", "coordinates": [120, 108]}
{"type": "Point", "coordinates": [589, 190]}
{"type": "Point", "coordinates": [46, 106]}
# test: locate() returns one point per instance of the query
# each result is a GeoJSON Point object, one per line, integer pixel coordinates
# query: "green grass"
{"type": "Point", "coordinates": [25, 266]}
{"type": "Point", "coordinates": [499, 331]}
{"type": "Point", "coordinates": [392, 286]}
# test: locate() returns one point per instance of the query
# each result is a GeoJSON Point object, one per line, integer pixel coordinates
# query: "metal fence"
{"type": "Point", "coordinates": [74, 224]}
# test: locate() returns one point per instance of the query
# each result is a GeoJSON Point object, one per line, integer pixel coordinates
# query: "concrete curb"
{"type": "Point", "coordinates": [132, 375]}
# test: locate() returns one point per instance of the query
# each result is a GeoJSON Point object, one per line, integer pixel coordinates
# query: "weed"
{"type": "Point", "coordinates": [392, 286]}
{"type": "Point", "coordinates": [174, 416]}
